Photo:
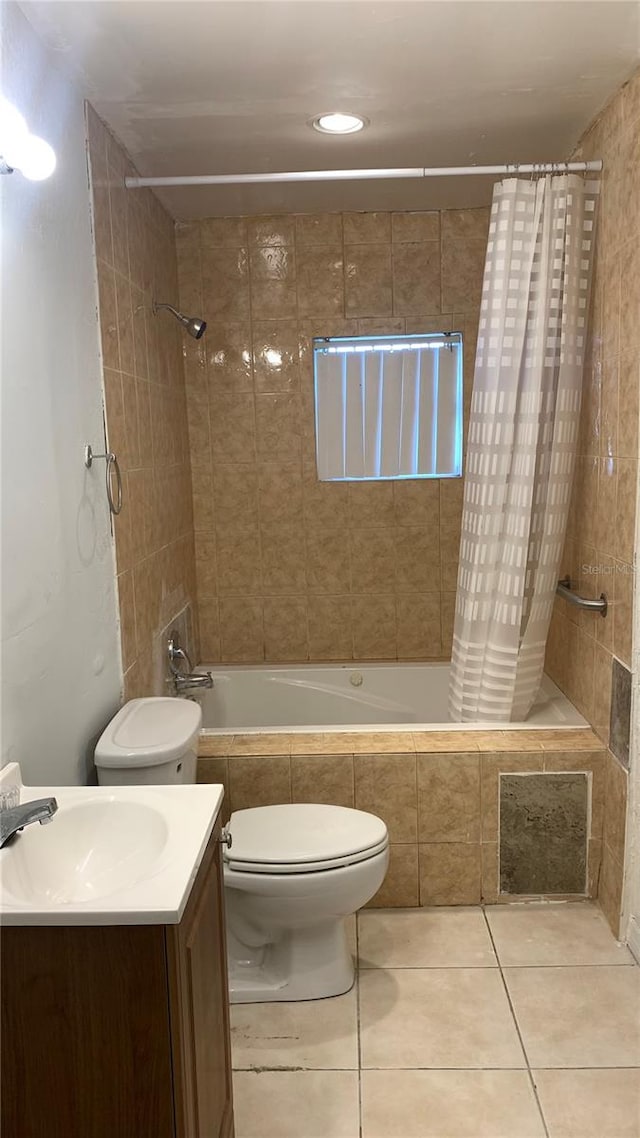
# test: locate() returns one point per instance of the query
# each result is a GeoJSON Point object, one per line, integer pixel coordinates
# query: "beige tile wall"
{"type": "Point", "coordinates": [440, 808]}
{"type": "Point", "coordinates": [289, 568]}
{"type": "Point", "coordinates": [599, 553]}
{"type": "Point", "coordinates": [145, 410]}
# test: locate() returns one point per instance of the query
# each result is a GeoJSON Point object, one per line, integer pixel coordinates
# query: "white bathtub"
{"type": "Point", "coordinates": [326, 697]}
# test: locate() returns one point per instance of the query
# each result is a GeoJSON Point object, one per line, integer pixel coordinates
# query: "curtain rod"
{"type": "Point", "coordinates": [343, 175]}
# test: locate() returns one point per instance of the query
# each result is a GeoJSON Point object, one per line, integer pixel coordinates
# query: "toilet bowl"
{"type": "Point", "coordinates": [292, 875]}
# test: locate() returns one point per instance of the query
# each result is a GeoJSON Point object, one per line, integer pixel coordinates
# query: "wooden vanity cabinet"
{"type": "Point", "coordinates": [119, 1031]}
{"type": "Point", "coordinates": [199, 1006]}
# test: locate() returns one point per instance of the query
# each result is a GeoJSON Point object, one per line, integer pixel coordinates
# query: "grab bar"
{"type": "Point", "coordinates": [564, 590]}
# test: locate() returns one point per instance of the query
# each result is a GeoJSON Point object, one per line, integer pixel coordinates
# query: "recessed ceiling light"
{"type": "Point", "coordinates": [337, 122]}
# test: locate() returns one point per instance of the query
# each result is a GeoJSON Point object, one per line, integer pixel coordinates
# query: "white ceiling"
{"type": "Point", "coordinates": [205, 86]}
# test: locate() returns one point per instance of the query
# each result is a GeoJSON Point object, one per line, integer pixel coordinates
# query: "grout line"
{"type": "Point", "coordinates": [357, 920]}
{"type": "Point", "coordinates": [517, 1025]}
{"type": "Point", "coordinates": [486, 967]}
{"type": "Point", "coordinates": [256, 459]}
{"type": "Point", "coordinates": [518, 1070]}
{"type": "Point", "coordinates": [352, 1070]}
{"type": "Point", "coordinates": [429, 967]}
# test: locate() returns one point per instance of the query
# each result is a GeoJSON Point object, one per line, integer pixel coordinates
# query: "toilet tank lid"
{"type": "Point", "coordinates": [146, 732]}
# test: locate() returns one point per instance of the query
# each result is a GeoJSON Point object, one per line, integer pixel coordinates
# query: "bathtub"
{"type": "Point", "coordinates": [330, 697]}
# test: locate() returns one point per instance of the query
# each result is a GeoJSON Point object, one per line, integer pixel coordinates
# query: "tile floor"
{"type": "Point", "coordinates": [512, 1022]}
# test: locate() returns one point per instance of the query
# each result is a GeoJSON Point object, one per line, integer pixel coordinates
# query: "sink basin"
{"type": "Point", "coordinates": [89, 850]}
{"type": "Point", "coordinates": [125, 855]}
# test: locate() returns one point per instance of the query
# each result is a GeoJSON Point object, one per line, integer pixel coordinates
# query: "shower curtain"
{"type": "Point", "coordinates": [521, 442]}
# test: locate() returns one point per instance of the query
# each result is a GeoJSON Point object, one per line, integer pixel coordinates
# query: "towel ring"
{"type": "Point", "coordinates": [112, 464]}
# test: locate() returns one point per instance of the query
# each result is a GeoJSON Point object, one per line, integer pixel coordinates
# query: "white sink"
{"type": "Point", "coordinates": [109, 855]}
{"type": "Point", "coordinates": [87, 851]}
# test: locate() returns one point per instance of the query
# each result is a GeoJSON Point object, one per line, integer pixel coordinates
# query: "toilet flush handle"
{"type": "Point", "coordinates": [226, 838]}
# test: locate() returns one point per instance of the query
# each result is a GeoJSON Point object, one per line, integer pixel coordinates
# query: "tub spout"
{"type": "Point", "coordinates": [192, 681]}
{"type": "Point", "coordinates": [184, 681]}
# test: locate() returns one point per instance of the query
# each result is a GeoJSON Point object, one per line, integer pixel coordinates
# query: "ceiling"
{"type": "Point", "coordinates": [228, 87]}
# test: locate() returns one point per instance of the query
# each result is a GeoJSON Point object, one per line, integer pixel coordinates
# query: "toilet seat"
{"type": "Point", "coordinates": [302, 838]}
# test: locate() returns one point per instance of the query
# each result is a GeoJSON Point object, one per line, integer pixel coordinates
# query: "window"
{"type": "Point", "coordinates": [388, 406]}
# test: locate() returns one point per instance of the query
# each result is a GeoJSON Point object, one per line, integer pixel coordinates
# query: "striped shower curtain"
{"type": "Point", "coordinates": [522, 440]}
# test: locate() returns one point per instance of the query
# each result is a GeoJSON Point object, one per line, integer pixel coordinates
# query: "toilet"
{"type": "Point", "coordinates": [292, 873]}
{"type": "Point", "coordinates": [150, 741]}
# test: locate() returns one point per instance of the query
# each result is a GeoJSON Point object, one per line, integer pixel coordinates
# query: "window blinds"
{"type": "Point", "coordinates": [388, 406]}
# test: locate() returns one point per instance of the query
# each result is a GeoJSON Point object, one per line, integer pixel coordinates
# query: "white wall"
{"type": "Point", "coordinates": [60, 650]}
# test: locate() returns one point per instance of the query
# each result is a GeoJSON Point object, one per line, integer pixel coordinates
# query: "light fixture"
{"type": "Point", "coordinates": [13, 132]}
{"type": "Point", "coordinates": [20, 150]}
{"type": "Point", "coordinates": [338, 122]}
{"type": "Point", "coordinates": [37, 160]}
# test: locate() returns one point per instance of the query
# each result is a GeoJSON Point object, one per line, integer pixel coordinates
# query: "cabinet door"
{"type": "Point", "coordinates": [85, 1033]}
{"type": "Point", "coordinates": [199, 999]}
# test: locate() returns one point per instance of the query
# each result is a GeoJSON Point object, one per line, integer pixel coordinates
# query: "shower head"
{"type": "Point", "coordinates": [192, 324]}
{"type": "Point", "coordinates": [195, 326]}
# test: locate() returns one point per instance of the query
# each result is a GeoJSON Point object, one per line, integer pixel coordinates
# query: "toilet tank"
{"type": "Point", "coordinates": [150, 741]}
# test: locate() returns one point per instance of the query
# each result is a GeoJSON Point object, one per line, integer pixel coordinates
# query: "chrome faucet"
{"type": "Point", "coordinates": [39, 810]}
{"type": "Point", "coordinates": [192, 681]}
{"type": "Point", "coordinates": [184, 681]}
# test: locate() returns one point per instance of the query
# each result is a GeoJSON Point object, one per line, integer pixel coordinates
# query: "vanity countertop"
{"type": "Point", "coordinates": [111, 855]}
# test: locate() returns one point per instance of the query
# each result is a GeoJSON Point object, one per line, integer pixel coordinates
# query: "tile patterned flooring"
{"type": "Point", "coordinates": [509, 1022]}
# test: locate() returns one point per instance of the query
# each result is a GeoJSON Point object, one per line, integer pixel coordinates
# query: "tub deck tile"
{"type": "Point", "coordinates": [439, 742]}
{"type": "Point", "coordinates": [314, 743]}
{"type": "Point", "coordinates": [503, 740]}
{"type": "Point", "coordinates": [576, 739]}
{"type": "Point", "coordinates": [573, 739]}
{"type": "Point", "coordinates": [381, 742]}
{"type": "Point", "coordinates": [214, 746]}
{"type": "Point", "coordinates": [261, 744]}
{"type": "Point", "coordinates": [353, 743]}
